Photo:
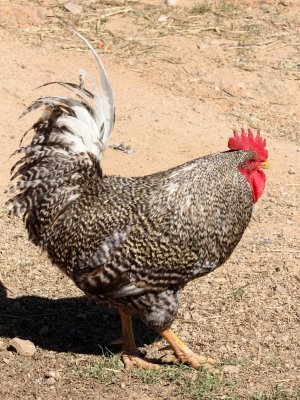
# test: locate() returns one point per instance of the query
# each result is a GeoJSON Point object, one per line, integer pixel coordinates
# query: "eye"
{"type": "Point", "coordinates": [243, 166]}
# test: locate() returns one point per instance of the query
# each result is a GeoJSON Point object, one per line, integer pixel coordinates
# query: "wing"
{"type": "Point", "coordinates": [136, 261]}
{"type": "Point", "coordinates": [109, 270]}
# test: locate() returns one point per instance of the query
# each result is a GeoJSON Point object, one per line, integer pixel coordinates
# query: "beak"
{"type": "Point", "coordinates": [264, 165]}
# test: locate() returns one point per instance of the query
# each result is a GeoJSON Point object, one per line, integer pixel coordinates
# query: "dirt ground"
{"type": "Point", "coordinates": [183, 78]}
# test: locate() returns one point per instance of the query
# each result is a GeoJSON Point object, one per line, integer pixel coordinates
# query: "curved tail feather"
{"type": "Point", "coordinates": [64, 153]}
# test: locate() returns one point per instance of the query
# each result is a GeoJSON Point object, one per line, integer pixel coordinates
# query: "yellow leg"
{"type": "Point", "coordinates": [130, 355]}
{"type": "Point", "coordinates": [127, 339]}
{"type": "Point", "coordinates": [183, 352]}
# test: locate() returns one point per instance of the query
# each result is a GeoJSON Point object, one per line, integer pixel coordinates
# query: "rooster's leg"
{"type": "Point", "coordinates": [182, 352]}
{"type": "Point", "coordinates": [130, 356]}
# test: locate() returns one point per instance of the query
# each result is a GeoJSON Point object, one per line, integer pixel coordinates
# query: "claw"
{"type": "Point", "coordinates": [131, 361]}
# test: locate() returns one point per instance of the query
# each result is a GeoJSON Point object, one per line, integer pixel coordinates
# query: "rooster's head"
{"type": "Point", "coordinates": [251, 168]}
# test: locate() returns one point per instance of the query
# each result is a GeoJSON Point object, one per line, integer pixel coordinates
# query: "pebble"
{"type": "Point", "coordinates": [50, 374]}
{"type": "Point", "coordinates": [123, 147]}
{"type": "Point", "coordinates": [23, 347]}
{"type": "Point", "coordinates": [50, 381]}
{"type": "Point", "coordinates": [291, 171]}
{"type": "Point", "coordinates": [73, 8]}
{"type": "Point", "coordinates": [170, 3]}
{"type": "Point", "coordinates": [162, 18]}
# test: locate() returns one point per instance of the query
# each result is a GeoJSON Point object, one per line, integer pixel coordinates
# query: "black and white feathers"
{"type": "Point", "coordinates": [69, 139]}
{"type": "Point", "coordinates": [134, 242]}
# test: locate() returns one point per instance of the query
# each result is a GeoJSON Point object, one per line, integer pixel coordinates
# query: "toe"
{"type": "Point", "coordinates": [131, 361]}
{"type": "Point", "coordinates": [197, 361]}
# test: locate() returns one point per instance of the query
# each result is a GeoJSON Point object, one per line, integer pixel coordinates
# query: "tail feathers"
{"type": "Point", "coordinates": [105, 100]}
{"type": "Point", "coordinates": [65, 151]}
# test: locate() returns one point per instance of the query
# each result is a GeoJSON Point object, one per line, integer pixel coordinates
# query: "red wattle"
{"type": "Point", "coordinates": [257, 181]}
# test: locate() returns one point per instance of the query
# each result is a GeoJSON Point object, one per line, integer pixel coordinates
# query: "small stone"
{"type": "Point", "coordinates": [231, 369]}
{"type": "Point", "coordinates": [123, 385]}
{"type": "Point", "coordinates": [162, 18]}
{"type": "Point", "coordinates": [6, 360]}
{"type": "Point", "coordinates": [50, 381]}
{"type": "Point", "coordinates": [123, 147]}
{"type": "Point", "coordinates": [291, 171]}
{"type": "Point", "coordinates": [23, 347]}
{"type": "Point", "coordinates": [74, 8]}
{"type": "Point", "coordinates": [170, 3]}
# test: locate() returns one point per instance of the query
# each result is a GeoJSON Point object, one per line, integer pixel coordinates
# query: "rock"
{"type": "Point", "coordinates": [23, 347]}
{"type": "Point", "coordinates": [170, 3]}
{"type": "Point", "coordinates": [162, 18]}
{"type": "Point", "coordinates": [74, 8]}
{"type": "Point", "coordinates": [50, 374]}
{"type": "Point", "coordinates": [122, 147]}
{"type": "Point", "coordinates": [231, 369]}
{"type": "Point", "coordinates": [291, 171]}
{"type": "Point", "coordinates": [50, 381]}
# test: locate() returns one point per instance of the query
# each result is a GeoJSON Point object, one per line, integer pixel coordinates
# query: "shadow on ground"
{"type": "Point", "coordinates": [74, 324]}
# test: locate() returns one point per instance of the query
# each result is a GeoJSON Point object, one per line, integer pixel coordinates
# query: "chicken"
{"type": "Point", "coordinates": [131, 242]}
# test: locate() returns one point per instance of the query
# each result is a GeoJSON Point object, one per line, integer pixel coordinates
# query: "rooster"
{"type": "Point", "coordinates": [131, 242]}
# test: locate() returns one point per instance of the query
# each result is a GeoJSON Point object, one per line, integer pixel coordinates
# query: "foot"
{"type": "Point", "coordinates": [183, 353]}
{"type": "Point", "coordinates": [131, 361]}
{"type": "Point", "coordinates": [193, 359]}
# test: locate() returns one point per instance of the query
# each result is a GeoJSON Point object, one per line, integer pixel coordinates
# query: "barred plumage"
{"type": "Point", "coordinates": [134, 242]}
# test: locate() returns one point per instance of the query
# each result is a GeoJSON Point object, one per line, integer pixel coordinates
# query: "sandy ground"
{"type": "Point", "coordinates": [174, 104]}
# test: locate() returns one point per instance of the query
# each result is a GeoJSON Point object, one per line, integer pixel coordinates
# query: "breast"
{"type": "Point", "coordinates": [201, 209]}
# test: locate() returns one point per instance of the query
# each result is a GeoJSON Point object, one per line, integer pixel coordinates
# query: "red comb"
{"type": "Point", "coordinates": [247, 141]}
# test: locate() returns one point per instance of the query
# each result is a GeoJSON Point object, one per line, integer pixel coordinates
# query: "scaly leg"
{"type": "Point", "coordinates": [183, 352]}
{"type": "Point", "coordinates": [130, 355]}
